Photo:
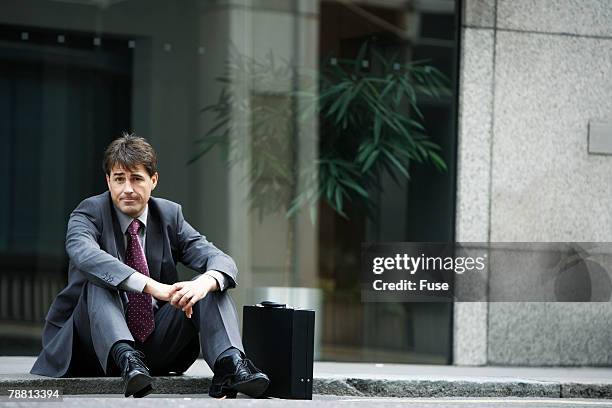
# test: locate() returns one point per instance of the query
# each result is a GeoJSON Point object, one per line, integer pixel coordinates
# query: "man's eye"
{"type": "Point", "coordinates": [119, 180]}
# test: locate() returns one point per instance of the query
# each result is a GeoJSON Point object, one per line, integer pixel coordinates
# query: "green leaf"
{"type": "Point", "coordinates": [344, 164]}
{"type": "Point", "coordinates": [380, 58]}
{"type": "Point", "coordinates": [364, 151]}
{"type": "Point", "coordinates": [332, 169]}
{"type": "Point", "coordinates": [313, 213]}
{"type": "Point", "coordinates": [200, 154]}
{"type": "Point", "coordinates": [418, 112]}
{"type": "Point", "coordinates": [391, 173]}
{"type": "Point", "coordinates": [345, 103]}
{"type": "Point", "coordinates": [437, 161]}
{"type": "Point", "coordinates": [218, 126]}
{"type": "Point", "coordinates": [350, 183]}
{"type": "Point", "coordinates": [370, 161]}
{"type": "Point", "coordinates": [422, 151]}
{"type": "Point", "coordinates": [397, 99]}
{"type": "Point", "coordinates": [361, 55]}
{"type": "Point", "coordinates": [295, 206]}
{"type": "Point", "coordinates": [390, 85]}
{"type": "Point", "coordinates": [338, 199]}
{"type": "Point", "coordinates": [333, 89]}
{"type": "Point", "coordinates": [377, 127]}
{"type": "Point", "coordinates": [338, 102]}
{"type": "Point", "coordinates": [329, 189]}
{"type": "Point", "coordinates": [431, 145]}
{"type": "Point", "coordinates": [396, 163]}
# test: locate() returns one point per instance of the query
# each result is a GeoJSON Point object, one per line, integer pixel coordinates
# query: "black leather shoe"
{"type": "Point", "coordinates": [136, 378]}
{"type": "Point", "coordinates": [234, 374]}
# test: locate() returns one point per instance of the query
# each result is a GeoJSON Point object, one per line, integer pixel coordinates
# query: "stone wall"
{"type": "Point", "coordinates": [533, 74]}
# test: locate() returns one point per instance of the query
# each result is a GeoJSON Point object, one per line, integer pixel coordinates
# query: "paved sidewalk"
{"type": "Point", "coordinates": [361, 380]}
{"type": "Point", "coordinates": [318, 401]}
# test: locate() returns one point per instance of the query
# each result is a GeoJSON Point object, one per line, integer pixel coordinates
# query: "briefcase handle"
{"type": "Point", "coordinates": [269, 303]}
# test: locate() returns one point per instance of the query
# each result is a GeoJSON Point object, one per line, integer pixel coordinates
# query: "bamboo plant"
{"type": "Point", "coordinates": [369, 124]}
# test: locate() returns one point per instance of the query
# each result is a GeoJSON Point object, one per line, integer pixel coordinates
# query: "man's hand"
{"type": "Point", "coordinates": [187, 293]}
{"type": "Point", "coordinates": [158, 290]}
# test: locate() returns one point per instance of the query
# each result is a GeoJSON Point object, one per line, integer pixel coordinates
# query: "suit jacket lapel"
{"type": "Point", "coordinates": [153, 246]}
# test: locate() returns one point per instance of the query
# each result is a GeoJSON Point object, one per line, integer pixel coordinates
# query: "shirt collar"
{"type": "Point", "coordinates": [125, 220]}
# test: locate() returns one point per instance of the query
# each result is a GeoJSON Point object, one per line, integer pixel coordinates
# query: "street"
{"type": "Point", "coordinates": [187, 401]}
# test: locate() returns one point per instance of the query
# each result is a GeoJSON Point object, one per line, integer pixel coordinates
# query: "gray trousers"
{"type": "Point", "coordinates": [173, 346]}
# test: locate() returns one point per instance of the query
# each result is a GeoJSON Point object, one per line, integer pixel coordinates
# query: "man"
{"type": "Point", "coordinates": [123, 310]}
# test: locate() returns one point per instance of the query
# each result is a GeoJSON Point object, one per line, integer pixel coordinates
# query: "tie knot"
{"type": "Point", "coordinates": [134, 227]}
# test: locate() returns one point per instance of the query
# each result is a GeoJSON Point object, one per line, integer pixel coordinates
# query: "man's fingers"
{"type": "Point", "coordinates": [194, 299]}
{"type": "Point", "coordinates": [177, 286]}
{"type": "Point", "coordinates": [185, 299]}
{"type": "Point", "coordinates": [170, 294]}
{"type": "Point", "coordinates": [190, 304]}
{"type": "Point", "coordinates": [178, 296]}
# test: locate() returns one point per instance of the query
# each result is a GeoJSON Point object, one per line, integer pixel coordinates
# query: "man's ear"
{"type": "Point", "coordinates": [108, 181]}
{"type": "Point", "coordinates": [154, 179]}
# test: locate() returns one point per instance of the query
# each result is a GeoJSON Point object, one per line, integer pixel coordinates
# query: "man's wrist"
{"type": "Point", "coordinates": [220, 277]}
{"type": "Point", "coordinates": [209, 282]}
{"type": "Point", "coordinates": [150, 286]}
{"type": "Point", "coordinates": [134, 283]}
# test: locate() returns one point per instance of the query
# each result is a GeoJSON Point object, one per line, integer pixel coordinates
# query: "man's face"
{"type": "Point", "coordinates": [131, 189]}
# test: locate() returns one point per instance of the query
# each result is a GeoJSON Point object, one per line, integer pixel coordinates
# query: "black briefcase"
{"type": "Point", "coordinates": [280, 342]}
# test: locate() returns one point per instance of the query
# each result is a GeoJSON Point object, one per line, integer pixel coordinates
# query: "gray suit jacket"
{"type": "Point", "coordinates": [94, 243]}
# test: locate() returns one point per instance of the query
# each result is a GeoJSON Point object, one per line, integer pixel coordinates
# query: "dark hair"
{"type": "Point", "coordinates": [129, 151]}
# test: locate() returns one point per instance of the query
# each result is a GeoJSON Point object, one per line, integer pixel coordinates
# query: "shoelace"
{"type": "Point", "coordinates": [244, 364]}
{"type": "Point", "coordinates": [137, 357]}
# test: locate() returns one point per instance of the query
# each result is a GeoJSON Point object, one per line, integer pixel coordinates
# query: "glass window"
{"type": "Point", "coordinates": [290, 131]}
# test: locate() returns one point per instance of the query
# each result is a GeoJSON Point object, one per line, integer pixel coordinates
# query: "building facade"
{"type": "Point", "coordinates": [520, 82]}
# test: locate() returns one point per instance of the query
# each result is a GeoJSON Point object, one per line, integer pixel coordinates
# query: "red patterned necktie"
{"type": "Point", "coordinates": [140, 318]}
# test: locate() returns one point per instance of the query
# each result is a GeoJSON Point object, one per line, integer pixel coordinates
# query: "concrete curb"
{"type": "Point", "coordinates": [580, 390]}
{"type": "Point", "coordinates": [458, 388]}
{"type": "Point", "coordinates": [333, 386]}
